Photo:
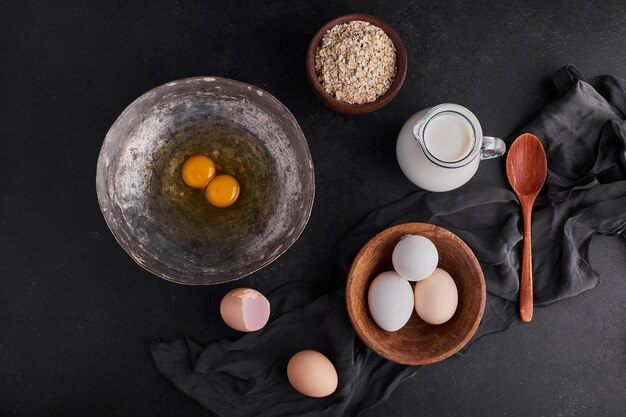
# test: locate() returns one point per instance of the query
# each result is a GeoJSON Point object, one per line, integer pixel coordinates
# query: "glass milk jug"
{"type": "Point", "coordinates": [440, 148]}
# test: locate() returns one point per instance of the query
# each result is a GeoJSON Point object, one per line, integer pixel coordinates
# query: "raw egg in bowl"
{"type": "Point", "coordinates": [243, 198]}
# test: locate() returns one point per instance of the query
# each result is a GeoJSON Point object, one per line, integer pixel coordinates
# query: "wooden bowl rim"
{"type": "Point", "coordinates": [347, 108]}
{"type": "Point", "coordinates": [374, 241]}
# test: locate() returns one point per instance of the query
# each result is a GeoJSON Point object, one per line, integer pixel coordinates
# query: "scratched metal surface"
{"type": "Point", "coordinates": [169, 229]}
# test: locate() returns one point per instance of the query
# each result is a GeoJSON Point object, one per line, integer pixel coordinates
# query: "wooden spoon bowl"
{"type": "Point", "coordinates": [417, 343]}
{"type": "Point", "coordinates": [527, 166]}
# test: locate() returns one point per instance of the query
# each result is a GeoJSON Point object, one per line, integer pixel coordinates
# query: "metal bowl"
{"type": "Point", "coordinates": [168, 228]}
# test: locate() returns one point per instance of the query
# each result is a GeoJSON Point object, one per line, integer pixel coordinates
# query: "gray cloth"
{"type": "Point", "coordinates": [584, 134]}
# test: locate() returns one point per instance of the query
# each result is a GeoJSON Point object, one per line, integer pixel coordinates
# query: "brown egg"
{"type": "Point", "coordinates": [312, 374]}
{"type": "Point", "coordinates": [245, 309]}
{"type": "Point", "coordinates": [436, 297]}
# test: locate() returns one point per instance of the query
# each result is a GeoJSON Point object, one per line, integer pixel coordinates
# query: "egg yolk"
{"type": "Point", "coordinates": [198, 170]}
{"type": "Point", "coordinates": [223, 191]}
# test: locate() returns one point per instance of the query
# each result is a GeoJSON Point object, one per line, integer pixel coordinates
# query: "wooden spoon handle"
{"type": "Point", "coordinates": [526, 279]}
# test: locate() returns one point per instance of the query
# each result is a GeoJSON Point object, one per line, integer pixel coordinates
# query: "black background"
{"type": "Point", "coordinates": [76, 312]}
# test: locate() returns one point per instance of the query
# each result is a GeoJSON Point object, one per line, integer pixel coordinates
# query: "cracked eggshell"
{"type": "Point", "coordinates": [245, 309]}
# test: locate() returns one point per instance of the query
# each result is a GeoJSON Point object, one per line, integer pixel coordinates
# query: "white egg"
{"type": "Point", "coordinates": [390, 300]}
{"type": "Point", "coordinates": [436, 297]}
{"type": "Point", "coordinates": [415, 257]}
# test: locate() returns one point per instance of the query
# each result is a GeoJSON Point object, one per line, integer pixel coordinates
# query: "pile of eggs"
{"type": "Point", "coordinates": [309, 372]}
{"type": "Point", "coordinates": [391, 298]}
{"type": "Point", "coordinates": [391, 301]}
{"type": "Point", "coordinates": [199, 172]}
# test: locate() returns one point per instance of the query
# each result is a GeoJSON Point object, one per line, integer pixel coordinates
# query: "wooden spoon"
{"type": "Point", "coordinates": [526, 169]}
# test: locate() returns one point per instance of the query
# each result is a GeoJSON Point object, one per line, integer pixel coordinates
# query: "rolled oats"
{"type": "Point", "coordinates": [356, 62]}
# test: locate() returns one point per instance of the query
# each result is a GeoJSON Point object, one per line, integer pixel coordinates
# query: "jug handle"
{"type": "Point", "coordinates": [492, 147]}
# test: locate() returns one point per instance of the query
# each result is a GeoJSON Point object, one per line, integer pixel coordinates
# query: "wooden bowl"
{"type": "Point", "coordinates": [417, 343]}
{"type": "Point", "coordinates": [340, 106]}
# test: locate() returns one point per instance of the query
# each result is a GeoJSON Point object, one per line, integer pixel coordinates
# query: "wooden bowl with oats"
{"type": "Point", "coordinates": [356, 64]}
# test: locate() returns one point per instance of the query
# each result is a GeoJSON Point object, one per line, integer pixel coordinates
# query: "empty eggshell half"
{"type": "Point", "coordinates": [415, 257]}
{"type": "Point", "coordinates": [436, 297]}
{"type": "Point", "coordinates": [312, 374]}
{"type": "Point", "coordinates": [245, 309]}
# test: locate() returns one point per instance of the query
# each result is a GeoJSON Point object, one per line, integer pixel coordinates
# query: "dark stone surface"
{"type": "Point", "coordinates": [76, 312]}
